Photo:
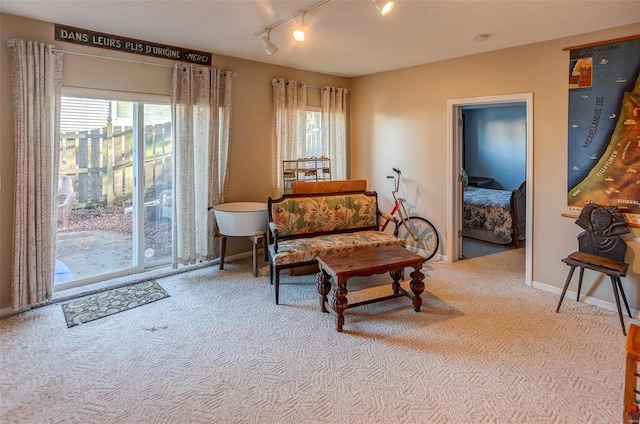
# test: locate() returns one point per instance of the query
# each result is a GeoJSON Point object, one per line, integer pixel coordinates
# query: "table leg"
{"type": "Point", "coordinates": [258, 239]}
{"type": "Point", "coordinates": [255, 241]}
{"type": "Point", "coordinates": [417, 287]}
{"type": "Point", "coordinates": [323, 288]}
{"type": "Point", "coordinates": [397, 276]}
{"type": "Point", "coordinates": [339, 304]}
{"type": "Point", "coordinates": [223, 248]}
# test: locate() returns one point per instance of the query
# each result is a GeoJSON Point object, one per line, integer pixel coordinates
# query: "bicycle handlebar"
{"type": "Point", "coordinates": [397, 181]}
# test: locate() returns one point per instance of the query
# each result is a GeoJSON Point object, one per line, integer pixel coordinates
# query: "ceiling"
{"type": "Point", "coordinates": [346, 37]}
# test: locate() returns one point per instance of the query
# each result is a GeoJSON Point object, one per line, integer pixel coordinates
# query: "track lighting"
{"type": "Point", "coordinates": [298, 34]}
{"type": "Point", "coordinates": [385, 6]}
{"type": "Point", "coordinates": [269, 47]}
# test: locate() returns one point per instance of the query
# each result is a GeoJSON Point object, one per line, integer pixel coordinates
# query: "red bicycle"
{"type": "Point", "coordinates": [419, 234]}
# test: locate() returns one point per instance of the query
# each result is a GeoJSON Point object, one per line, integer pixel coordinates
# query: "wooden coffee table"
{"type": "Point", "coordinates": [342, 266]}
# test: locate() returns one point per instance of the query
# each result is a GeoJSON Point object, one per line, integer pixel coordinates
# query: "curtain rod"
{"type": "Point", "coordinates": [141, 62]}
{"type": "Point", "coordinates": [320, 88]}
{"type": "Point", "coordinates": [309, 86]}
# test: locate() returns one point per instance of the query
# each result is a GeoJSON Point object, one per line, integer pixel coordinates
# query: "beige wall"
{"type": "Point", "coordinates": [399, 118]}
{"type": "Point", "coordinates": [250, 174]}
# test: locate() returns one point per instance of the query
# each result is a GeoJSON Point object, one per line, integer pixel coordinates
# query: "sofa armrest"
{"type": "Point", "coordinates": [273, 234]}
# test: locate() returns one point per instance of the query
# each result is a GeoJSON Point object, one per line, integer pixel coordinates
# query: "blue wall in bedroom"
{"type": "Point", "coordinates": [495, 144]}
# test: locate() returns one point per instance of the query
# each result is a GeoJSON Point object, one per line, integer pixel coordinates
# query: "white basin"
{"type": "Point", "coordinates": [241, 218]}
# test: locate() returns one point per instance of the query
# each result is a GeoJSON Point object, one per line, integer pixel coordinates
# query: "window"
{"type": "Point", "coordinates": [82, 114]}
{"type": "Point", "coordinates": [124, 110]}
{"type": "Point", "coordinates": [314, 134]}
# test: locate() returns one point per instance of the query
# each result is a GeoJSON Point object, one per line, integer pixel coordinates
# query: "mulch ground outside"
{"type": "Point", "coordinates": [99, 239]}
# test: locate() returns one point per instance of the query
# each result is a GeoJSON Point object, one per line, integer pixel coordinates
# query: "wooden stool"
{"type": "Point", "coordinates": [631, 413]}
{"type": "Point", "coordinates": [614, 269]}
{"type": "Point", "coordinates": [601, 249]}
{"type": "Point", "coordinates": [257, 238]}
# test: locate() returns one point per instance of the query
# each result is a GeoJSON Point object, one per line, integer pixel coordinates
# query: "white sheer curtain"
{"type": "Point", "coordinates": [333, 103]}
{"type": "Point", "coordinates": [36, 81]}
{"type": "Point", "coordinates": [201, 108]}
{"type": "Point", "coordinates": [289, 126]}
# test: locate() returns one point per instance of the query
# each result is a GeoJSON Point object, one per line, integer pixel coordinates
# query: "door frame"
{"type": "Point", "coordinates": [453, 247]}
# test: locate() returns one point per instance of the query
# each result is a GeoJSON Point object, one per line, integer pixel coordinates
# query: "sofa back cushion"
{"type": "Point", "coordinates": [293, 215]}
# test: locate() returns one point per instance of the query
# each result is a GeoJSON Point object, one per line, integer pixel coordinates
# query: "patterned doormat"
{"type": "Point", "coordinates": [111, 302]}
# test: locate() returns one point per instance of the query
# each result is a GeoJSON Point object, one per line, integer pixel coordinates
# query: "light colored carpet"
{"type": "Point", "coordinates": [487, 350]}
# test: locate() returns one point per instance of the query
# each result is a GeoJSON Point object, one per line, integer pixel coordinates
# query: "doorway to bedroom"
{"type": "Point", "coordinates": [491, 139]}
{"type": "Point", "coordinates": [494, 141]}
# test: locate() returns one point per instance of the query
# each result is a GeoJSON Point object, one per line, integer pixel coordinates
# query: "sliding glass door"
{"type": "Point", "coordinates": [115, 189]}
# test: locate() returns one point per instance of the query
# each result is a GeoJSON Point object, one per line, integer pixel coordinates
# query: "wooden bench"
{"type": "Point", "coordinates": [305, 226]}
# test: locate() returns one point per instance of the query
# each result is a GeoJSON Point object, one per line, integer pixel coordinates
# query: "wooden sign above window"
{"type": "Point", "coordinates": [115, 42]}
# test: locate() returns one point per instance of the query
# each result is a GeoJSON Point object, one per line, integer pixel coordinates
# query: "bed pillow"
{"type": "Point", "coordinates": [465, 179]}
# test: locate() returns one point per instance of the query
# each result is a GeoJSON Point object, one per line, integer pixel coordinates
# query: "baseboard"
{"type": "Point", "coordinates": [6, 312]}
{"type": "Point", "coordinates": [610, 306]}
{"type": "Point", "coordinates": [439, 257]}
{"type": "Point", "coordinates": [243, 255]}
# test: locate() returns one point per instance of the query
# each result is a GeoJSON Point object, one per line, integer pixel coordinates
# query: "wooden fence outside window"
{"type": "Point", "coordinates": [100, 163]}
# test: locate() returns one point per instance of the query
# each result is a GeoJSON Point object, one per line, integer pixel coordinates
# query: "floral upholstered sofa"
{"type": "Point", "coordinates": [305, 226]}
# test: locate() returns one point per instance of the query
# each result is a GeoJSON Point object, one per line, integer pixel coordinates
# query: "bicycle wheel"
{"type": "Point", "coordinates": [420, 236]}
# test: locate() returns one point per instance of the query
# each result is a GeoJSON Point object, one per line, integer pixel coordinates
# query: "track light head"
{"type": "Point", "coordinates": [385, 6]}
{"type": "Point", "coordinates": [299, 34]}
{"type": "Point", "coordinates": [269, 47]}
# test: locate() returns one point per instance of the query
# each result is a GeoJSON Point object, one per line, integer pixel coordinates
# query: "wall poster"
{"type": "Point", "coordinates": [604, 127]}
